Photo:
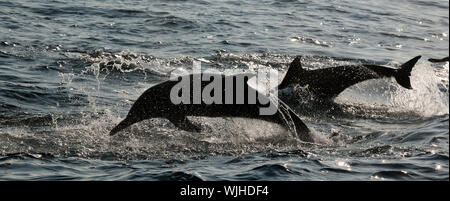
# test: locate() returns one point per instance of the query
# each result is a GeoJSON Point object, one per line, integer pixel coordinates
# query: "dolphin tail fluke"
{"type": "Point", "coordinates": [402, 75]}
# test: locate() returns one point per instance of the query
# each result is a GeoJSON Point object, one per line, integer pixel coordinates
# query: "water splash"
{"type": "Point", "coordinates": [426, 98]}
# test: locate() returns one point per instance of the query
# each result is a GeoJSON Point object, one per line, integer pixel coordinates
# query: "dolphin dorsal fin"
{"type": "Point", "coordinates": [296, 64]}
{"type": "Point", "coordinates": [295, 70]}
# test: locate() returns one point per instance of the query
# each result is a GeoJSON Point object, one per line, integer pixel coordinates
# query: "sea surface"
{"type": "Point", "coordinates": [70, 71]}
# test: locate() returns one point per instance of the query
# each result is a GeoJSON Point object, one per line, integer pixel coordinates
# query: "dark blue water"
{"type": "Point", "coordinates": [70, 71]}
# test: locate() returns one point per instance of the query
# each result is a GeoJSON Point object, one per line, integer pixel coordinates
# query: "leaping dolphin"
{"type": "Point", "coordinates": [156, 102]}
{"type": "Point", "coordinates": [328, 83]}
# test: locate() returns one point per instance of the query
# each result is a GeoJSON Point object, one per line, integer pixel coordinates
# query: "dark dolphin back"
{"type": "Point", "coordinates": [445, 59]}
{"type": "Point", "coordinates": [327, 83]}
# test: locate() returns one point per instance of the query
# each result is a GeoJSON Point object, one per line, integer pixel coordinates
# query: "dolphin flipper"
{"type": "Point", "coordinates": [183, 123]}
{"type": "Point", "coordinates": [294, 123]}
{"type": "Point", "coordinates": [302, 130]}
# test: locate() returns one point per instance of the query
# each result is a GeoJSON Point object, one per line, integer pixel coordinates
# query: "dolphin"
{"type": "Point", "coordinates": [327, 83]}
{"type": "Point", "coordinates": [438, 60]}
{"type": "Point", "coordinates": [156, 102]}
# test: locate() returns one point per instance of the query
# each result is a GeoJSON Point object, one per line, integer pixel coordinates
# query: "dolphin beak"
{"type": "Point", "coordinates": [122, 125]}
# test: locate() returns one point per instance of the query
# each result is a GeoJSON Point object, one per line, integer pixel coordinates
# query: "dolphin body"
{"type": "Point", "coordinates": [445, 59]}
{"type": "Point", "coordinates": [156, 102]}
{"type": "Point", "coordinates": [327, 83]}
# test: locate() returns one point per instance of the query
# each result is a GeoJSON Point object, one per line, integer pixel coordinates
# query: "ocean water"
{"type": "Point", "coordinates": [70, 71]}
